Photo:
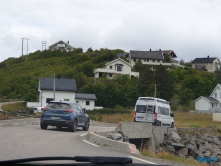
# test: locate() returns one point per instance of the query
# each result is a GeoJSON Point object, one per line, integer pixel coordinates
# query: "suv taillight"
{"type": "Point", "coordinates": [134, 114]}
{"type": "Point", "coordinates": [44, 109]}
{"type": "Point", "coordinates": [69, 111]}
{"type": "Point", "coordinates": [155, 116]}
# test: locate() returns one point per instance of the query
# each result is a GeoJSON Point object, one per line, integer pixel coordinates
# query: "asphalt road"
{"type": "Point", "coordinates": [30, 141]}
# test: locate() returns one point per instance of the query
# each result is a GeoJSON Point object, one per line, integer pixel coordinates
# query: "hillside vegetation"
{"type": "Point", "coordinates": [19, 79]}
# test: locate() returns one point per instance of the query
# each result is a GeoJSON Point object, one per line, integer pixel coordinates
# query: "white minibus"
{"type": "Point", "coordinates": [153, 110]}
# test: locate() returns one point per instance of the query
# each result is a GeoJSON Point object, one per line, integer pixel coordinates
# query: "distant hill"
{"type": "Point", "coordinates": [19, 79]}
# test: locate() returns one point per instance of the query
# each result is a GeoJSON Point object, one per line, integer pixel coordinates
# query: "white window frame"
{"type": "Point", "coordinates": [119, 68]}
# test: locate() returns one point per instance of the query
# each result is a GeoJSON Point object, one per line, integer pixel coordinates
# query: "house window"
{"type": "Point", "coordinates": [134, 60]}
{"type": "Point", "coordinates": [153, 60]}
{"type": "Point", "coordinates": [77, 101]}
{"type": "Point", "coordinates": [49, 99]}
{"type": "Point", "coordinates": [215, 95]}
{"type": "Point", "coordinates": [158, 60]}
{"type": "Point", "coordinates": [66, 99]}
{"type": "Point", "coordinates": [147, 60]}
{"type": "Point", "coordinates": [212, 105]}
{"type": "Point", "coordinates": [119, 68]}
{"type": "Point", "coordinates": [110, 67]}
{"type": "Point", "coordinates": [110, 75]}
{"type": "Point", "coordinates": [87, 102]}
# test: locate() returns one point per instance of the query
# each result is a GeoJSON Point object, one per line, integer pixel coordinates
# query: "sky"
{"type": "Point", "coordinates": [191, 28]}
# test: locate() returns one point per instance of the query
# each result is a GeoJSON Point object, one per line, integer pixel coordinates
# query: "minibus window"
{"type": "Point", "coordinates": [150, 109]}
{"type": "Point", "coordinates": [141, 108]}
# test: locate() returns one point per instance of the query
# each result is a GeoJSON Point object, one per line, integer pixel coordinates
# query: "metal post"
{"type": "Point", "coordinates": [27, 51]}
{"type": "Point", "coordinates": [54, 86]}
{"type": "Point", "coordinates": [22, 46]}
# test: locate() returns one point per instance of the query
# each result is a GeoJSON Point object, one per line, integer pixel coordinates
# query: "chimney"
{"type": "Point", "coordinates": [68, 42]}
{"type": "Point", "coordinates": [159, 49]}
{"type": "Point", "coordinates": [208, 56]}
{"type": "Point", "coordinates": [150, 49]}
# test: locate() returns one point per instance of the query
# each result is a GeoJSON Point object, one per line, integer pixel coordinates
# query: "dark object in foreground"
{"type": "Point", "coordinates": [97, 160]}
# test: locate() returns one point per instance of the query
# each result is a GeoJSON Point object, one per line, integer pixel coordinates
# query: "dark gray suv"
{"type": "Point", "coordinates": [64, 114]}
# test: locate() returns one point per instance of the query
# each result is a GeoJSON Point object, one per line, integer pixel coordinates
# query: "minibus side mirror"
{"type": "Point", "coordinates": [171, 114]}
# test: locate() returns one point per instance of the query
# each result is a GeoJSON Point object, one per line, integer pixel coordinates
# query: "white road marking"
{"type": "Point", "coordinates": [142, 160]}
{"type": "Point", "coordinates": [90, 143]}
{"type": "Point", "coordinates": [83, 134]}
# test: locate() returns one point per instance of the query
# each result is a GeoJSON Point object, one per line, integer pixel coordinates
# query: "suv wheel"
{"type": "Point", "coordinates": [44, 126]}
{"type": "Point", "coordinates": [73, 128]}
{"type": "Point", "coordinates": [86, 127]}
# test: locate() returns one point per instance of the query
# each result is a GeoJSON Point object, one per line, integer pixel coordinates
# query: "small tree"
{"type": "Point", "coordinates": [164, 83]}
{"type": "Point", "coordinates": [138, 65]}
{"type": "Point", "coordinates": [166, 58]}
{"type": "Point", "coordinates": [89, 49]}
{"type": "Point", "coordinates": [146, 81]}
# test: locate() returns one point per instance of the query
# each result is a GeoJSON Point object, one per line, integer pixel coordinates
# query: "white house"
{"type": "Point", "coordinates": [86, 100]}
{"type": "Point", "coordinates": [65, 90]}
{"type": "Point", "coordinates": [154, 58]}
{"type": "Point", "coordinates": [210, 64]}
{"type": "Point", "coordinates": [114, 68]}
{"type": "Point", "coordinates": [209, 104]}
{"type": "Point", "coordinates": [62, 46]}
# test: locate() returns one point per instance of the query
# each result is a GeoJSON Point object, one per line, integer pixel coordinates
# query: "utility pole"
{"type": "Point", "coordinates": [54, 86]}
{"type": "Point", "coordinates": [44, 45]}
{"type": "Point", "coordinates": [27, 51]}
{"type": "Point", "coordinates": [22, 46]}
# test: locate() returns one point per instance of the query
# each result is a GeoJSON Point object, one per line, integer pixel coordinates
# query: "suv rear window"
{"type": "Point", "coordinates": [141, 108]}
{"type": "Point", "coordinates": [58, 105]}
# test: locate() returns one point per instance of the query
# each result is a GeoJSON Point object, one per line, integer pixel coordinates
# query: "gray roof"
{"type": "Point", "coordinates": [85, 96]}
{"type": "Point", "coordinates": [146, 54]}
{"type": "Point", "coordinates": [120, 55]}
{"type": "Point", "coordinates": [203, 60]}
{"type": "Point", "coordinates": [210, 99]}
{"type": "Point", "coordinates": [61, 84]}
{"type": "Point", "coordinates": [169, 52]}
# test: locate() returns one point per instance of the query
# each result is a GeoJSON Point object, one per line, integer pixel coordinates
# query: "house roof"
{"type": "Point", "coordinates": [61, 84]}
{"type": "Point", "coordinates": [120, 55]}
{"type": "Point", "coordinates": [85, 96]}
{"type": "Point", "coordinates": [214, 90]}
{"type": "Point", "coordinates": [210, 99]}
{"type": "Point", "coordinates": [60, 41]}
{"type": "Point", "coordinates": [117, 60]}
{"type": "Point", "coordinates": [146, 54]}
{"type": "Point", "coordinates": [169, 52]}
{"type": "Point", "coordinates": [204, 60]}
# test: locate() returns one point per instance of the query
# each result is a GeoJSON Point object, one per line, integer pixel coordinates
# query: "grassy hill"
{"type": "Point", "coordinates": [19, 79]}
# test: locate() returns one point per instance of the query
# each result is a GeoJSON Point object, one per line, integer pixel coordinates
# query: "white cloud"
{"type": "Point", "coordinates": [190, 27]}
